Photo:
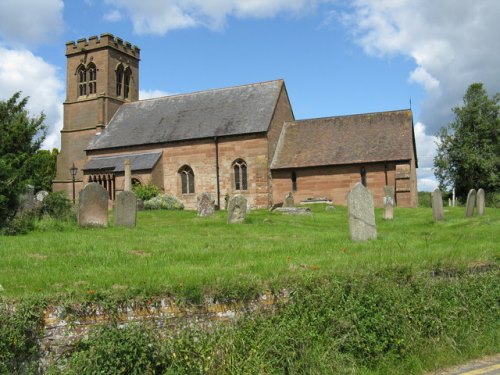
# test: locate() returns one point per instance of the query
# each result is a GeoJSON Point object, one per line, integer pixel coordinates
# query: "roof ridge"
{"type": "Point", "coordinates": [121, 155]}
{"type": "Point", "coordinates": [351, 115]}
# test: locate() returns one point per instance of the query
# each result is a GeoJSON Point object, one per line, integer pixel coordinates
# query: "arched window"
{"type": "Point", "coordinates": [92, 78]}
{"type": "Point", "coordinates": [126, 82]}
{"type": "Point", "coordinates": [187, 179]}
{"type": "Point", "coordinates": [82, 80]}
{"type": "Point", "coordinates": [240, 175]}
{"type": "Point", "coordinates": [119, 79]}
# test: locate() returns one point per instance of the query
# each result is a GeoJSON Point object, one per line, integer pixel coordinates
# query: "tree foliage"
{"type": "Point", "coordinates": [20, 138]}
{"type": "Point", "coordinates": [468, 153]}
{"type": "Point", "coordinates": [42, 169]}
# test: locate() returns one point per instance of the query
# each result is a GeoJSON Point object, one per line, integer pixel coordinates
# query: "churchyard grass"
{"type": "Point", "coordinates": [177, 253]}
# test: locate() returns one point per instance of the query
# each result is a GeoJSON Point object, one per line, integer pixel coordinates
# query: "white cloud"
{"type": "Point", "coordinates": [154, 17]}
{"type": "Point", "coordinates": [148, 94]}
{"type": "Point", "coordinates": [112, 16]}
{"type": "Point", "coordinates": [426, 151]}
{"type": "Point", "coordinates": [30, 21]}
{"type": "Point", "coordinates": [20, 70]}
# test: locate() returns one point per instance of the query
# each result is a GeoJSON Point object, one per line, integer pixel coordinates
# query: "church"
{"type": "Point", "coordinates": [235, 140]}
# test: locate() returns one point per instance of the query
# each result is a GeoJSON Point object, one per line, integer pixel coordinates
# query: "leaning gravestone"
{"type": "Point", "coordinates": [471, 203]}
{"type": "Point", "coordinates": [437, 205]}
{"type": "Point", "coordinates": [388, 202]}
{"type": "Point", "coordinates": [362, 225]}
{"type": "Point", "coordinates": [205, 205]}
{"type": "Point", "coordinates": [93, 206]}
{"type": "Point", "coordinates": [480, 200]}
{"type": "Point", "coordinates": [236, 209]}
{"type": "Point", "coordinates": [288, 200]}
{"type": "Point", "coordinates": [125, 209]}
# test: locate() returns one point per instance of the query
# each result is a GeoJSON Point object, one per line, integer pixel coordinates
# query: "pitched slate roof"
{"type": "Point", "coordinates": [363, 138]}
{"type": "Point", "coordinates": [230, 111]}
{"type": "Point", "coordinates": [138, 162]}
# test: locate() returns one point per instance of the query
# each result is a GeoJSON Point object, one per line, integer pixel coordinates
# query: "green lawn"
{"type": "Point", "coordinates": [179, 253]}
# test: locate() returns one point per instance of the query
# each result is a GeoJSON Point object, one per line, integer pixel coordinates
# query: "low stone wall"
{"type": "Point", "coordinates": [64, 326]}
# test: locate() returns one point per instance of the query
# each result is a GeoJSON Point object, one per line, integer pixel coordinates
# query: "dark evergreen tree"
{"type": "Point", "coordinates": [468, 154]}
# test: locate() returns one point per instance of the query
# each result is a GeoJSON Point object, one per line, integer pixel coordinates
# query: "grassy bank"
{"type": "Point", "coordinates": [179, 253]}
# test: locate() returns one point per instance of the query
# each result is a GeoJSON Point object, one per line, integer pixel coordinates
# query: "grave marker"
{"type": "Point", "coordinates": [93, 206]}
{"type": "Point", "coordinates": [362, 225]}
{"type": "Point", "coordinates": [125, 209]}
{"type": "Point", "coordinates": [437, 205]}
{"type": "Point", "coordinates": [471, 203]}
{"type": "Point", "coordinates": [236, 209]}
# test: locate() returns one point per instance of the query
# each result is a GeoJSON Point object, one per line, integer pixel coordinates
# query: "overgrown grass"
{"type": "Point", "coordinates": [179, 253]}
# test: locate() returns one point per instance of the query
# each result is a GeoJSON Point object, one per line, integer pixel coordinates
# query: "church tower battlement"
{"type": "Point", "coordinates": [102, 73]}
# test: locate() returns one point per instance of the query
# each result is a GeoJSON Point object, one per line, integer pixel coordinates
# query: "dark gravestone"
{"type": "Point", "coordinates": [480, 202]}
{"type": "Point", "coordinates": [289, 202]}
{"type": "Point", "coordinates": [437, 205]}
{"type": "Point", "coordinates": [471, 203]}
{"type": "Point", "coordinates": [388, 202]}
{"type": "Point", "coordinates": [205, 205]}
{"type": "Point", "coordinates": [361, 214]}
{"type": "Point", "coordinates": [125, 209]}
{"type": "Point", "coordinates": [93, 206]}
{"type": "Point", "coordinates": [236, 209]}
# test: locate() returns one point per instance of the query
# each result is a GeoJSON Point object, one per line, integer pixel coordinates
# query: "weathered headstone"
{"type": "Point", "coordinates": [388, 202]}
{"type": "Point", "coordinates": [480, 202]}
{"type": "Point", "coordinates": [125, 209]}
{"type": "Point", "coordinates": [127, 185]}
{"type": "Point", "coordinates": [471, 203]}
{"type": "Point", "coordinates": [288, 200]}
{"type": "Point", "coordinates": [362, 225]}
{"type": "Point", "coordinates": [437, 205]}
{"type": "Point", "coordinates": [27, 200]}
{"type": "Point", "coordinates": [205, 205]}
{"type": "Point", "coordinates": [93, 206]}
{"type": "Point", "coordinates": [140, 205]}
{"type": "Point", "coordinates": [41, 195]}
{"type": "Point", "coordinates": [236, 209]}
{"type": "Point", "coordinates": [294, 210]}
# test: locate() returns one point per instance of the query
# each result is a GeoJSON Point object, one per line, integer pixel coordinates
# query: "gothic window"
{"type": "Point", "coordinates": [362, 173]}
{"type": "Point", "coordinates": [82, 80]}
{"type": "Point", "coordinates": [92, 72]}
{"type": "Point", "coordinates": [126, 82]}
{"type": "Point", "coordinates": [240, 175]}
{"type": "Point", "coordinates": [294, 181]}
{"type": "Point", "coordinates": [119, 80]}
{"type": "Point", "coordinates": [187, 180]}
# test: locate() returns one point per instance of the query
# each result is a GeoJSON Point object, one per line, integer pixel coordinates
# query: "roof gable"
{"type": "Point", "coordinates": [363, 138]}
{"type": "Point", "coordinates": [230, 111]}
{"type": "Point", "coordinates": [138, 162]}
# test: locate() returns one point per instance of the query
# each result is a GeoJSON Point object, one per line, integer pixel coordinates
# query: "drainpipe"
{"type": "Point", "coordinates": [216, 141]}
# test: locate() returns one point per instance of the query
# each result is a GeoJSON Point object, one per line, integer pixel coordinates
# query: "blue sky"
{"type": "Point", "coordinates": [336, 57]}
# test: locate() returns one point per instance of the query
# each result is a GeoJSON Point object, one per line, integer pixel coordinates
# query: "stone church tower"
{"type": "Point", "coordinates": [102, 73]}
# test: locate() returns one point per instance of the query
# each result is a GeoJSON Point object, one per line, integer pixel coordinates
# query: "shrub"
{"type": "Point", "coordinates": [147, 191]}
{"type": "Point", "coordinates": [57, 205]}
{"type": "Point", "coordinates": [22, 223]}
{"type": "Point", "coordinates": [493, 199]}
{"type": "Point", "coordinates": [424, 199]}
{"type": "Point", "coordinates": [164, 202]}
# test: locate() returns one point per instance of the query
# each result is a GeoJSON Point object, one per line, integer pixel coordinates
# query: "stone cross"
{"type": "Point", "coordinates": [236, 209]}
{"type": "Point", "coordinates": [125, 209]}
{"type": "Point", "coordinates": [93, 206]}
{"type": "Point", "coordinates": [205, 205]}
{"type": "Point", "coordinates": [288, 200]}
{"type": "Point", "coordinates": [471, 203]}
{"type": "Point", "coordinates": [127, 186]}
{"type": "Point", "coordinates": [480, 201]}
{"type": "Point", "coordinates": [362, 225]}
{"type": "Point", "coordinates": [388, 202]}
{"type": "Point", "coordinates": [437, 205]}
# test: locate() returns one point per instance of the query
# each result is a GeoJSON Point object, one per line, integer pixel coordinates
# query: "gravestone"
{"type": "Point", "coordinates": [93, 206]}
{"type": "Point", "coordinates": [125, 209]}
{"type": "Point", "coordinates": [205, 205]}
{"type": "Point", "coordinates": [40, 196]}
{"type": "Point", "coordinates": [294, 210]}
{"type": "Point", "coordinates": [388, 202]}
{"type": "Point", "coordinates": [127, 185]}
{"type": "Point", "coordinates": [362, 225]}
{"type": "Point", "coordinates": [27, 200]}
{"type": "Point", "coordinates": [236, 209]}
{"type": "Point", "coordinates": [329, 207]}
{"type": "Point", "coordinates": [437, 205]}
{"type": "Point", "coordinates": [471, 203]}
{"type": "Point", "coordinates": [288, 200]}
{"type": "Point", "coordinates": [480, 202]}
{"type": "Point", "coordinates": [140, 205]}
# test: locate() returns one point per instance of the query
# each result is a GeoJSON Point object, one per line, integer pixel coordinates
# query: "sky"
{"type": "Point", "coordinates": [337, 57]}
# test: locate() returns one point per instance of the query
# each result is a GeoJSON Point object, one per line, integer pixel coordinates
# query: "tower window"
{"type": "Point", "coordinates": [126, 82]}
{"type": "Point", "coordinates": [92, 79]}
{"type": "Point", "coordinates": [119, 80]}
{"type": "Point", "coordinates": [294, 181]}
{"type": "Point", "coordinates": [187, 180]}
{"type": "Point", "coordinates": [82, 81]}
{"type": "Point", "coordinates": [240, 175]}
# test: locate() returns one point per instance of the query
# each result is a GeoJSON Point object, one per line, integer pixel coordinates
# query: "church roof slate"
{"type": "Point", "coordinates": [205, 114]}
{"type": "Point", "coordinates": [138, 162]}
{"type": "Point", "coordinates": [364, 138]}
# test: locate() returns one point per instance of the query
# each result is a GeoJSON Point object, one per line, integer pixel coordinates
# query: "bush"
{"type": "Point", "coordinates": [147, 191]}
{"type": "Point", "coordinates": [424, 199]}
{"type": "Point", "coordinates": [164, 202]}
{"type": "Point", "coordinates": [57, 205]}
{"type": "Point", "coordinates": [22, 223]}
{"type": "Point", "coordinates": [493, 200]}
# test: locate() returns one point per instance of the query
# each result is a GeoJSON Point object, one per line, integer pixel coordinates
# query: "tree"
{"type": "Point", "coordinates": [468, 152]}
{"type": "Point", "coordinates": [20, 139]}
{"type": "Point", "coordinates": [42, 169]}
